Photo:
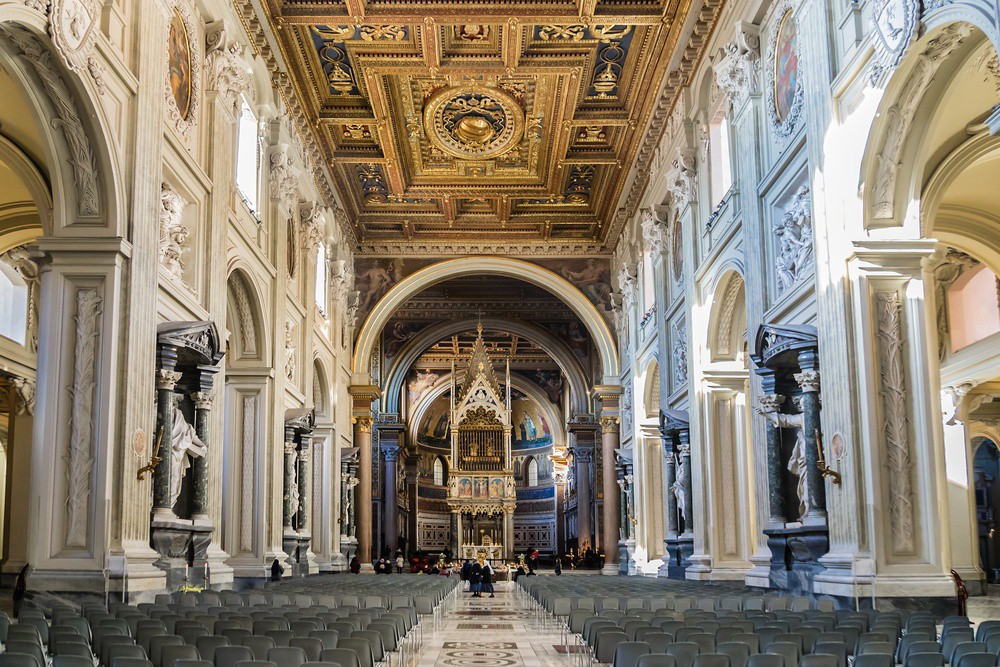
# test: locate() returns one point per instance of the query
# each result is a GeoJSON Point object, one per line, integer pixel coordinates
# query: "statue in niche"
{"type": "Point", "coordinates": [186, 445]}
{"type": "Point", "coordinates": [797, 460]}
{"type": "Point", "coordinates": [677, 488]}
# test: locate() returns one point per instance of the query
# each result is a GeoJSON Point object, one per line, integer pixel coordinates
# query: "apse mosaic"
{"type": "Point", "coordinates": [511, 129]}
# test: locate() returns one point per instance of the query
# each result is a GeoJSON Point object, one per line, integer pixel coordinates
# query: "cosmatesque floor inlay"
{"type": "Point", "coordinates": [491, 632]}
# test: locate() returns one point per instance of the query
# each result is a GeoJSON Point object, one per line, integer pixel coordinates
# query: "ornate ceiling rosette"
{"type": "Point", "coordinates": [472, 122]}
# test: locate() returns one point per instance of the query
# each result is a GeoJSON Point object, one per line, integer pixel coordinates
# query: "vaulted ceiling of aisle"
{"type": "Point", "coordinates": [504, 122]}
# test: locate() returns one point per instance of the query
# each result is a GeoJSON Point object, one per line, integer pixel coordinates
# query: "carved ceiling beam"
{"type": "Point", "coordinates": [445, 15]}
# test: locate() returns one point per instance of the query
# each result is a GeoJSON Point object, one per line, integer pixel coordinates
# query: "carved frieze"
{"type": "Point", "coordinates": [173, 231]}
{"type": "Point", "coordinates": [284, 177]}
{"type": "Point", "coordinates": [654, 232]}
{"type": "Point", "coordinates": [793, 233]}
{"type": "Point", "coordinates": [313, 227]}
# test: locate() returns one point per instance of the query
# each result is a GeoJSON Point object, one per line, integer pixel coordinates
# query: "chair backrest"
{"type": "Point", "coordinates": [683, 652]}
{"type": "Point", "coordinates": [657, 660]}
{"type": "Point", "coordinates": [72, 661]}
{"type": "Point", "coordinates": [711, 660]}
{"type": "Point", "coordinates": [819, 660]}
{"type": "Point", "coordinates": [375, 639]}
{"type": "Point", "coordinates": [171, 654]}
{"type": "Point", "coordinates": [766, 660]}
{"type": "Point", "coordinates": [124, 651]}
{"type": "Point", "coordinates": [206, 645]}
{"type": "Point", "coordinates": [926, 660]}
{"type": "Point", "coordinates": [627, 654]}
{"type": "Point", "coordinates": [327, 637]}
{"type": "Point", "coordinates": [341, 656]}
{"type": "Point", "coordinates": [787, 650]}
{"type": "Point", "coordinates": [287, 656]}
{"type": "Point", "coordinates": [658, 641]}
{"type": "Point", "coordinates": [131, 662]}
{"type": "Point", "coordinates": [705, 641]}
{"type": "Point", "coordinates": [977, 660]}
{"type": "Point", "coordinates": [889, 648]}
{"type": "Point", "coordinates": [156, 645]}
{"type": "Point", "coordinates": [873, 660]}
{"type": "Point", "coordinates": [751, 640]}
{"type": "Point", "coordinates": [192, 663]}
{"type": "Point", "coordinates": [607, 643]}
{"type": "Point", "coordinates": [360, 647]}
{"type": "Point", "coordinates": [964, 648]}
{"type": "Point", "coordinates": [738, 653]}
{"type": "Point", "coordinates": [836, 649]}
{"type": "Point", "coordinates": [255, 663]}
{"type": "Point", "coordinates": [986, 629]}
{"type": "Point", "coordinates": [311, 646]}
{"type": "Point", "coordinates": [228, 656]}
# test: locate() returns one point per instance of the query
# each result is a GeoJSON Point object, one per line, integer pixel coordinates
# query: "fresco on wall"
{"type": "Point", "coordinates": [433, 428]}
{"type": "Point", "coordinates": [786, 67]}
{"type": "Point", "coordinates": [179, 64]}
{"type": "Point", "coordinates": [420, 383]}
{"type": "Point", "coordinates": [531, 428]}
{"type": "Point", "coordinates": [398, 334]}
{"type": "Point", "coordinates": [591, 276]}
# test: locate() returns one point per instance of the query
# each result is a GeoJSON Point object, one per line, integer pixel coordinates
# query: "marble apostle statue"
{"type": "Point", "coordinates": [677, 488]}
{"type": "Point", "coordinates": [185, 445]}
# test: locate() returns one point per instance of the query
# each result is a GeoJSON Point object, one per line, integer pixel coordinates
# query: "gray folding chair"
{"type": "Point", "coordinates": [286, 656]}
{"type": "Point", "coordinates": [657, 660]}
{"type": "Point", "coordinates": [925, 660]}
{"type": "Point", "coordinates": [711, 660]}
{"type": "Point", "coordinates": [627, 654]}
{"type": "Point", "coordinates": [684, 653]}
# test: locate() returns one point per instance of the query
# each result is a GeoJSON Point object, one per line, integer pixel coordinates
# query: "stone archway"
{"type": "Point", "coordinates": [592, 319]}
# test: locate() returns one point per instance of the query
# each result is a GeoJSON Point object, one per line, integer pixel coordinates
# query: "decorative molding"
{"type": "Point", "coordinates": [79, 455]}
{"type": "Point", "coordinates": [341, 276]}
{"type": "Point", "coordinates": [727, 311]}
{"type": "Point", "coordinates": [682, 178]}
{"type": "Point", "coordinates": [167, 379]}
{"type": "Point", "coordinates": [447, 248]}
{"type": "Point", "coordinates": [173, 231]}
{"type": "Point", "coordinates": [290, 351]}
{"type": "Point", "coordinates": [244, 313]}
{"type": "Point", "coordinates": [783, 127]}
{"type": "Point", "coordinates": [628, 283]}
{"type": "Point", "coordinates": [203, 400]}
{"type": "Point", "coordinates": [66, 119]}
{"type": "Point", "coordinates": [362, 424]}
{"type": "Point", "coordinates": [609, 425]}
{"type": "Point", "coordinates": [313, 226]}
{"type": "Point", "coordinates": [182, 122]}
{"type": "Point", "coordinates": [25, 389]}
{"type": "Point", "coordinates": [794, 255]}
{"type": "Point", "coordinates": [74, 26]}
{"type": "Point", "coordinates": [737, 74]}
{"type": "Point", "coordinates": [895, 421]}
{"type": "Point", "coordinates": [19, 259]}
{"type": "Point", "coordinates": [899, 116]}
{"type": "Point", "coordinates": [987, 64]}
{"type": "Point", "coordinates": [808, 380]}
{"type": "Point", "coordinates": [284, 177]}
{"type": "Point", "coordinates": [771, 402]}
{"type": "Point", "coordinates": [38, 5]}
{"type": "Point", "coordinates": [679, 351]}
{"type": "Point", "coordinates": [654, 232]}
{"type": "Point", "coordinates": [226, 70]}
{"type": "Point", "coordinates": [249, 445]}
{"type": "Point", "coordinates": [895, 26]}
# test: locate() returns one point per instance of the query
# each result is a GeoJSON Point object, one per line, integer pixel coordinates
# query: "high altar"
{"type": "Point", "coordinates": [481, 492]}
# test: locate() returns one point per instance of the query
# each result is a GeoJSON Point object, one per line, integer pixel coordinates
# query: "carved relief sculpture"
{"type": "Point", "coordinates": [79, 455]}
{"type": "Point", "coordinates": [680, 354]}
{"type": "Point", "coordinates": [290, 350]}
{"type": "Point", "coordinates": [313, 227]}
{"type": "Point", "coordinates": [654, 232]}
{"type": "Point", "coordinates": [895, 421]}
{"type": "Point", "coordinates": [797, 459]}
{"type": "Point", "coordinates": [628, 283]}
{"type": "Point", "coordinates": [681, 178]}
{"type": "Point", "coordinates": [794, 237]}
{"type": "Point", "coordinates": [284, 177]}
{"type": "Point", "coordinates": [173, 232]}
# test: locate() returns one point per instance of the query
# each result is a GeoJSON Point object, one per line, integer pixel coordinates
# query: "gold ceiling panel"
{"type": "Point", "coordinates": [512, 121]}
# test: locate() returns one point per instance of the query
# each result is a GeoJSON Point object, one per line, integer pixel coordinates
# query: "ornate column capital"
{"type": "Point", "coordinates": [609, 424]}
{"type": "Point", "coordinates": [771, 402]}
{"type": "Point", "coordinates": [313, 226]}
{"type": "Point", "coordinates": [166, 379]}
{"type": "Point", "coordinates": [654, 232]}
{"type": "Point", "coordinates": [227, 71]}
{"type": "Point", "coordinates": [808, 380]}
{"type": "Point", "coordinates": [737, 73]}
{"type": "Point", "coordinates": [583, 454]}
{"type": "Point", "coordinates": [289, 447]}
{"type": "Point", "coordinates": [390, 452]}
{"type": "Point", "coordinates": [25, 390]}
{"type": "Point", "coordinates": [362, 424]}
{"type": "Point", "coordinates": [203, 400]}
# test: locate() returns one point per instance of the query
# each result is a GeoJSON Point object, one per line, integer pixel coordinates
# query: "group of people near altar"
{"type": "Point", "coordinates": [479, 573]}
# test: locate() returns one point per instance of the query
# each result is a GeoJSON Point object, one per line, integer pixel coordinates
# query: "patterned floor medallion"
{"type": "Point", "coordinates": [480, 654]}
{"type": "Point", "coordinates": [485, 626]}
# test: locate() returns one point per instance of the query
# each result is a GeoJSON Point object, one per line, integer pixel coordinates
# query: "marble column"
{"type": "Point", "coordinates": [352, 501]}
{"type": "Point", "coordinates": [508, 533]}
{"type": "Point", "coordinates": [612, 528]}
{"type": "Point", "coordinates": [583, 459]}
{"type": "Point", "coordinates": [456, 528]}
{"type": "Point", "coordinates": [771, 403]}
{"type": "Point", "coordinates": [808, 380]}
{"type": "Point", "coordinates": [305, 482]}
{"type": "Point", "coordinates": [288, 507]}
{"type": "Point", "coordinates": [363, 494]}
{"type": "Point", "coordinates": [390, 528]}
{"type": "Point", "coordinates": [166, 379]}
{"type": "Point", "coordinates": [203, 401]}
{"type": "Point", "coordinates": [345, 504]}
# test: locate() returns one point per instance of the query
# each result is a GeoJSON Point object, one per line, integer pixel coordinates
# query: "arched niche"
{"type": "Point", "coordinates": [728, 321]}
{"type": "Point", "coordinates": [246, 343]}
{"type": "Point", "coordinates": [322, 403]}
{"type": "Point", "coordinates": [413, 284]}
{"type": "Point", "coordinates": [651, 392]}
{"type": "Point", "coordinates": [568, 363]}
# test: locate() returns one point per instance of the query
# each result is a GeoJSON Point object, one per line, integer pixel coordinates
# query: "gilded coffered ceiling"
{"type": "Point", "coordinates": [500, 122]}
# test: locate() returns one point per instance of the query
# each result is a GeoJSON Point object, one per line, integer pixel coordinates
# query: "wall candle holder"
{"type": "Point", "coordinates": [154, 460]}
{"type": "Point", "coordinates": [824, 470]}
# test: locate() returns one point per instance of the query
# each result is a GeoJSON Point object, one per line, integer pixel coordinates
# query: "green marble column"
{"type": "Point", "coordinates": [685, 453]}
{"type": "Point", "coordinates": [770, 404]}
{"type": "Point", "coordinates": [289, 507]}
{"type": "Point", "coordinates": [815, 484]}
{"type": "Point", "coordinates": [199, 466]}
{"type": "Point", "coordinates": [305, 479]}
{"type": "Point", "coordinates": [166, 379]}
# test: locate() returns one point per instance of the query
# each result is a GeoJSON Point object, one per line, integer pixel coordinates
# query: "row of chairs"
{"type": "Point", "coordinates": [363, 628]}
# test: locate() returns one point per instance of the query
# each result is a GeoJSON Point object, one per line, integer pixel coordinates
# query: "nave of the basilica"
{"type": "Point", "coordinates": [700, 290]}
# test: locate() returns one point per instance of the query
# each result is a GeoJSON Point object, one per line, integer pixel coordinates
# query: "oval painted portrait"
{"type": "Point", "coordinates": [179, 64]}
{"type": "Point", "coordinates": [786, 66]}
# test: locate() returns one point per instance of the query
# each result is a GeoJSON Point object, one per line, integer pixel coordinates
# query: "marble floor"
{"type": "Point", "coordinates": [491, 632]}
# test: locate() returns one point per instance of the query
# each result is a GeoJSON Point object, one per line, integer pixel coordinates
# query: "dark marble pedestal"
{"type": "Point", "coordinates": [626, 557]}
{"type": "Point", "coordinates": [348, 547]}
{"type": "Point", "coordinates": [183, 549]}
{"type": "Point", "coordinates": [678, 558]}
{"type": "Point", "coordinates": [297, 549]}
{"type": "Point", "coordinates": [795, 554]}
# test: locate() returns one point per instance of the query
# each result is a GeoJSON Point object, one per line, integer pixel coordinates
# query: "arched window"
{"type": "Point", "coordinates": [322, 279]}
{"type": "Point", "coordinates": [13, 305]}
{"type": "Point", "coordinates": [719, 162]}
{"type": "Point", "coordinates": [248, 151]}
{"type": "Point", "coordinates": [532, 473]}
{"type": "Point", "coordinates": [438, 472]}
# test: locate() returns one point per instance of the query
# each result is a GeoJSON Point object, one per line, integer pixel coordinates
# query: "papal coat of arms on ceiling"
{"type": "Point", "coordinates": [473, 121]}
